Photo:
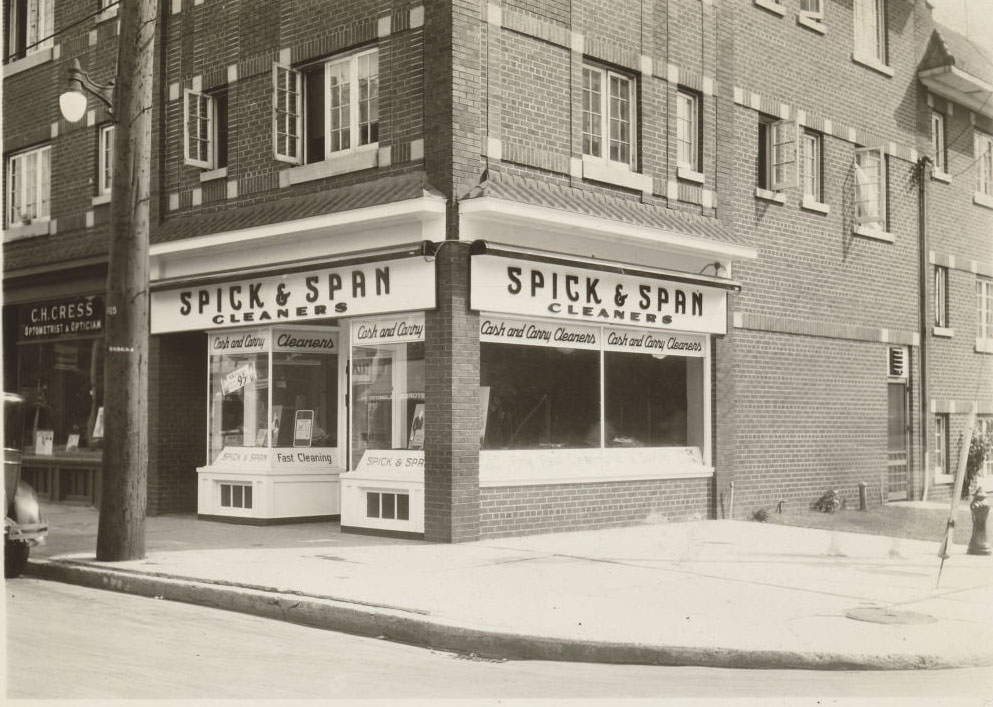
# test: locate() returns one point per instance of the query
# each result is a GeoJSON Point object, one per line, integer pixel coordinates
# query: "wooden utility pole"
{"type": "Point", "coordinates": [121, 531]}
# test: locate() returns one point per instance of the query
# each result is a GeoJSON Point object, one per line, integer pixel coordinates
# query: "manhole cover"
{"type": "Point", "coordinates": [882, 615]}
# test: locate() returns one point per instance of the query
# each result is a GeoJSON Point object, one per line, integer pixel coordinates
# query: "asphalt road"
{"type": "Point", "coordinates": [67, 642]}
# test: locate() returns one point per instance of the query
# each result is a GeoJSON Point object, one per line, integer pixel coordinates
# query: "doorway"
{"type": "Point", "coordinates": [897, 467]}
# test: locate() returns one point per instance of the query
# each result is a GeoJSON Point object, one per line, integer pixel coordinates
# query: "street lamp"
{"type": "Point", "coordinates": [72, 103]}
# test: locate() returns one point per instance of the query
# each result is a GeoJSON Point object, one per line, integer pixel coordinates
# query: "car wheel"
{"type": "Point", "coordinates": [15, 557]}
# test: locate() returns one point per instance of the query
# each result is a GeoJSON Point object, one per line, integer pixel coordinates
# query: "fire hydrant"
{"type": "Point", "coordinates": [978, 545]}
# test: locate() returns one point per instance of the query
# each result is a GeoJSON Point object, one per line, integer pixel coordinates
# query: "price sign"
{"type": "Point", "coordinates": [238, 378]}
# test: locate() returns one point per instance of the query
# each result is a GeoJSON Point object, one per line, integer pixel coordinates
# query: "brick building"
{"type": "Point", "coordinates": [465, 269]}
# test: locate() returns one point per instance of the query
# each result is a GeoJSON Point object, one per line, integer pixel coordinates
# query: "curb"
{"type": "Point", "coordinates": [417, 629]}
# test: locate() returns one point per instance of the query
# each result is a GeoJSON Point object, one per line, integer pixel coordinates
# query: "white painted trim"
{"type": "Point", "coordinates": [772, 6]}
{"type": "Point", "coordinates": [946, 332]}
{"type": "Point", "coordinates": [810, 204]}
{"type": "Point", "coordinates": [940, 176]}
{"type": "Point", "coordinates": [595, 226]}
{"type": "Point", "coordinates": [984, 345]}
{"type": "Point", "coordinates": [769, 195]}
{"type": "Point", "coordinates": [101, 199]}
{"type": "Point", "coordinates": [212, 174]}
{"type": "Point", "coordinates": [601, 170]}
{"type": "Point", "coordinates": [873, 63]}
{"type": "Point", "coordinates": [689, 175]}
{"type": "Point", "coordinates": [811, 23]}
{"type": "Point", "coordinates": [420, 208]}
{"type": "Point", "coordinates": [365, 157]}
{"type": "Point", "coordinates": [875, 234]}
{"type": "Point", "coordinates": [28, 62]}
{"type": "Point", "coordinates": [982, 199]}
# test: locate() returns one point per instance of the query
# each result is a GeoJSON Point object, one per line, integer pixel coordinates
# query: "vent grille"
{"type": "Point", "coordinates": [898, 362]}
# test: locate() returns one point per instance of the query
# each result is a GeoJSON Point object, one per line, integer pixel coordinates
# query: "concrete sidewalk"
{"type": "Point", "coordinates": [709, 593]}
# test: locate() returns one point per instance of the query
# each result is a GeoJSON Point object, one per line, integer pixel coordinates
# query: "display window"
{"type": "Point", "coordinates": [62, 384]}
{"type": "Point", "coordinates": [273, 388]}
{"type": "Point", "coordinates": [387, 381]}
{"type": "Point", "coordinates": [634, 390]}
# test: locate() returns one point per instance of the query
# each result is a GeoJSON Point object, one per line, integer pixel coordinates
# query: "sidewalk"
{"type": "Point", "coordinates": [711, 593]}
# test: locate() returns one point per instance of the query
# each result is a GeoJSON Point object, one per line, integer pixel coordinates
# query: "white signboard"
{"type": "Point", "coordinates": [524, 287]}
{"type": "Point", "coordinates": [395, 330]}
{"type": "Point", "coordinates": [650, 342]}
{"type": "Point", "coordinates": [512, 331]}
{"type": "Point", "coordinates": [278, 458]}
{"type": "Point", "coordinates": [305, 341]}
{"type": "Point", "coordinates": [256, 341]}
{"type": "Point", "coordinates": [366, 288]}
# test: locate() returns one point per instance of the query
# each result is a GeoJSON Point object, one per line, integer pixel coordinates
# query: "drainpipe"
{"type": "Point", "coordinates": [924, 166]}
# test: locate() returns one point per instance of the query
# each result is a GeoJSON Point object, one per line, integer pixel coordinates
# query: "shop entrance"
{"type": "Point", "coordinates": [896, 465]}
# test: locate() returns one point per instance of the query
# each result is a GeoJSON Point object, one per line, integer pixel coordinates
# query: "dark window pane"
{"type": "Point", "coordinates": [403, 506]}
{"type": "Point", "coordinates": [389, 505]}
{"type": "Point", "coordinates": [372, 505]}
{"type": "Point", "coordinates": [248, 497]}
{"type": "Point", "coordinates": [226, 495]}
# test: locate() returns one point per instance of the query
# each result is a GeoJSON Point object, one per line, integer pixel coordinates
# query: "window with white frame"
{"type": "Point", "coordinates": [870, 188]}
{"type": "Point", "coordinates": [938, 142]}
{"type": "Point", "coordinates": [205, 128]}
{"type": "Point", "coordinates": [870, 30]}
{"type": "Point", "coordinates": [983, 150]}
{"type": "Point", "coordinates": [940, 296]}
{"type": "Point", "coordinates": [812, 9]}
{"type": "Point", "coordinates": [30, 25]}
{"type": "Point", "coordinates": [812, 147]}
{"type": "Point", "coordinates": [688, 130]}
{"type": "Point", "coordinates": [326, 109]}
{"type": "Point", "coordinates": [105, 162]}
{"type": "Point", "coordinates": [984, 428]}
{"type": "Point", "coordinates": [608, 116]}
{"type": "Point", "coordinates": [984, 310]}
{"type": "Point", "coordinates": [939, 460]}
{"type": "Point", "coordinates": [29, 186]}
{"type": "Point", "coordinates": [776, 153]}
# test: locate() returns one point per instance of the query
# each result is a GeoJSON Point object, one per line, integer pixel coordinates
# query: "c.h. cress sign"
{"type": "Point", "coordinates": [516, 286]}
{"type": "Point", "coordinates": [360, 289]}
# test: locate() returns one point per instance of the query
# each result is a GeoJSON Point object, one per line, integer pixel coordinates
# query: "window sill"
{"type": "Point", "coordinates": [689, 175]}
{"type": "Point", "coordinates": [982, 199]}
{"type": "Point", "coordinates": [984, 346]}
{"type": "Point", "coordinates": [365, 158]}
{"type": "Point", "coordinates": [30, 61]}
{"type": "Point", "coordinates": [811, 23]}
{"type": "Point", "coordinates": [810, 204]}
{"type": "Point", "coordinates": [874, 233]}
{"type": "Point", "coordinates": [615, 173]}
{"type": "Point", "coordinates": [944, 478]}
{"type": "Point", "coordinates": [101, 199]}
{"type": "Point", "coordinates": [772, 6]}
{"type": "Point", "coordinates": [28, 230]}
{"type": "Point", "coordinates": [946, 332]}
{"type": "Point", "coordinates": [108, 13]}
{"type": "Point", "coordinates": [212, 174]}
{"type": "Point", "coordinates": [874, 64]}
{"type": "Point", "coordinates": [939, 176]}
{"type": "Point", "coordinates": [768, 195]}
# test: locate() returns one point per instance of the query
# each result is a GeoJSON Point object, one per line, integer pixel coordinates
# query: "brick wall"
{"type": "Point", "coordinates": [451, 428]}
{"type": "Point", "coordinates": [523, 510]}
{"type": "Point", "coordinates": [177, 420]}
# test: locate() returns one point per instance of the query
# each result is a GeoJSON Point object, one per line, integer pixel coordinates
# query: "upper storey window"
{"type": "Point", "coordinates": [870, 191]}
{"type": "Point", "coordinates": [29, 186]}
{"type": "Point", "coordinates": [870, 32]}
{"type": "Point", "coordinates": [984, 164]}
{"type": "Point", "coordinates": [938, 142]}
{"type": "Point", "coordinates": [608, 116]}
{"type": "Point", "coordinates": [688, 142]}
{"type": "Point", "coordinates": [328, 109]}
{"type": "Point", "coordinates": [29, 27]}
{"type": "Point", "coordinates": [205, 129]}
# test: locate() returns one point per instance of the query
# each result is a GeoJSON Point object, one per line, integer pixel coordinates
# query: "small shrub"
{"type": "Point", "coordinates": [828, 503]}
{"type": "Point", "coordinates": [761, 515]}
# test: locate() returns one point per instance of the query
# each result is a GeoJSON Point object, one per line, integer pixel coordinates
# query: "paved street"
{"type": "Point", "coordinates": [67, 641]}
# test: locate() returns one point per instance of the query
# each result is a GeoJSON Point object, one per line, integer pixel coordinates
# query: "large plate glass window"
{"type": "Point", "coordinates": [387, 381]}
